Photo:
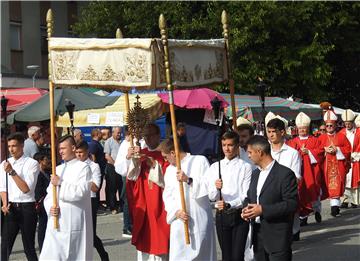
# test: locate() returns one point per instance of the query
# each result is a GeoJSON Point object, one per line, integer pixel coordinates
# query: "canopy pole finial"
{"type": "Point", "coordinates": [164, 40]}
{"type": "Point", "coordinates": [119, 34]}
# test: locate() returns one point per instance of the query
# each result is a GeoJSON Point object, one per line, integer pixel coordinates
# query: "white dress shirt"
{"type": "Point", "coordinates": [235, 175]}
{"type": "Point", "coordinates": [264, 173]}
{"type": "Point", "coordinates": [28, 170]}
{"type": "Point", "coordinates": [288, 157]}
{"type": "Point", "coordinates": [95, 175]}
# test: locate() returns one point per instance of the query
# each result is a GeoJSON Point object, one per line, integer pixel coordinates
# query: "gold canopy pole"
{"type": "Point", "coordinates": [224, 21]}
{"type": "Point", "coordinates": [119, 35]}
{"type": "Point", "coordinates": [164, 39]}
{"type": "Point", "coordinates": [50, 23]}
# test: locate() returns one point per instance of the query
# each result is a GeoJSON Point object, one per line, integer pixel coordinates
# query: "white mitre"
{"type": "Point", "coordinates": [330, 116]}
{"type": "Point", "coordinates": [302, 120]}
{"type": "Point", "coordinates": [348, 115]}
{"type": "Point", "coordinates": [241, 120]}
{"type": "Point", "coordinates": [357, 121]}
{"type": "Point", "coordinates": [269, 117]}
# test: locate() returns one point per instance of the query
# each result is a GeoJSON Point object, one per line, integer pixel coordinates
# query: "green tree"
{"type": "Point", "coordinates": [306, 49]}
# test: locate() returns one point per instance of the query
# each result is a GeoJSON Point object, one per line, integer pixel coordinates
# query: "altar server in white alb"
{"type": "Point", "coordinates": [199, 216]}
{"type": "Point", "coordinates": [73, 240]}
{"type": "Point", "coordinates": [232, 230]}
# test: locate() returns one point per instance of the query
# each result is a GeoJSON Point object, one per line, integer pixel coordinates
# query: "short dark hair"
{"type": "Point", "coordinates": [153, 125]}
{"type": "Point", "coordinates": [82, 145]}
{"type": "Point", "coordinates": [261, 142]}
{"type": "Point", "coordinates": [67, 137]}
{"type": "Point", "coordinates": [168, 145]}
{"type": "Point", "coordinates": [39, 156]}
{"type": "Point", "coordinates": [18, 136]}
{"type": "Point", "coordinates": [276, 124]}
{"type": "Point", "coordinates": [181, 125]}
{"type": "Point", "coordinates": [248, 127]}
{"type": "Point", "coordinates": [231, 135]}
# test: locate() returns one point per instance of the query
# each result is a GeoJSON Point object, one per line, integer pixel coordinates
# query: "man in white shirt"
{"type": "Point", "coordinates": [82, 153]}
{"type": "Point", "coordinates": [231, 229]}
{"type": "Point", "coordinates": [245, 131]}
{"type": "Point", "coordinates": [286, 156]}
{"type": "Point", "coordinates": [73, 240]}
{"type": "Point", "coordinates": [270, 204]}
{"type": "Point", "coordinates": [19, 212]}
{"type": "Point", "coordinates": [201, 231]}
{"type": "Point", "coordinates": [30, 146]}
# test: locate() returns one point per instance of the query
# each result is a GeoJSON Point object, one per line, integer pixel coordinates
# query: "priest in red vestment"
{"type": "Point", "coordinates": [351, 194]}
{"type": "Point", "coordinates": [144, 188]}
{"type": "Point", "coordinates": [337, 150]}
{"type": "Point", "coordinates": [309, 186]}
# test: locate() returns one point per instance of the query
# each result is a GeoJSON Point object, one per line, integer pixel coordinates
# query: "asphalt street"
{"type": "Point", "coordinates": [334, 239]}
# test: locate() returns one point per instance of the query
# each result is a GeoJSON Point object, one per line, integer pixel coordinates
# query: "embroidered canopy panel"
{"type": "Point", "coordinates": [128, 63]}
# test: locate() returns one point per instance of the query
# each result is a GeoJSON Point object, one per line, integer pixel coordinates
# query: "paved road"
{"type": "Point", "coordinates": [335, 239]}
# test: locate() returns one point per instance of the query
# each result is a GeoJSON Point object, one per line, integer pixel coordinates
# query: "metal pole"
{"type": "Point", "coordinates": [164, 39]}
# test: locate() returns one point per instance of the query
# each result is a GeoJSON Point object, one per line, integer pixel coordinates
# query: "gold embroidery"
{"type": "Point", "coordinates": [136, 67]}
{"type": "Point", "coordinates": [64, 68]}
{"type": "Point", "coordinates": [333, 174]}
{"type": "Point", "coordinates": [90, 74]}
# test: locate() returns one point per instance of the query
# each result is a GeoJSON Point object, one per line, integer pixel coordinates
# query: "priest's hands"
{"type": "Point", "coordinates": [180, 214]}
{"type": "Point", "coordinates": [251, 211]}
{"type": "Point", "coordinates": [331, 149]}
{"type": "Point", "coordinates": [132, 151]}
{"type": "Point", "coordinates": [55, 180]}
{"type": "Point", "coordinates": [150, 162]}
{"type": "Point", "coordinates": [304, 150]}
{"type": "Point", "coordinates": [180, 175]}
{"type": "Point", "coordinates": [54, 211]}
{"type": "Point", "coordinates": [218, 184]}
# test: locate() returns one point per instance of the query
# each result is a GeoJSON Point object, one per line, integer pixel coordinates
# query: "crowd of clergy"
{"type": "Point", "coordinates": [258, 194]}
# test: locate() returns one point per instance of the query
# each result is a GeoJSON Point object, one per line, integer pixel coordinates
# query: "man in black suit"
{"type": "Point", "coordinates": [270, 204]}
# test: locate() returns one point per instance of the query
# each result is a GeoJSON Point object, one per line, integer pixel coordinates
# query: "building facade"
{"type": "Point", "coordinates": [23, 38]}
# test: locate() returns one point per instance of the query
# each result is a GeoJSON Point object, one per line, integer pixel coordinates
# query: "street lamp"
{"type": "Point", "coordinates": [70, 107]}
{"type": "Point", "coordinates": [34, 67]}
{"type": "Point", "coordinates": [261, 88]}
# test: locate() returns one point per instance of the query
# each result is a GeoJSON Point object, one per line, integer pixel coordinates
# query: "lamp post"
{"type": "Point", "coordinates": [34, 67]}
{"type": "Point", "coordinates": [70, 107]}
{"type": "Point", "coordinates": [261, 88]}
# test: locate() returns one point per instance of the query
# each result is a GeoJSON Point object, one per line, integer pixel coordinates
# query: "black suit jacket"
{"type": "Point", "coordinates": [278, 199]}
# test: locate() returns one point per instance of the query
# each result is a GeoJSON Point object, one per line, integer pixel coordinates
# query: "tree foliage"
{"type": "Point", "coordinates": [310, 50]}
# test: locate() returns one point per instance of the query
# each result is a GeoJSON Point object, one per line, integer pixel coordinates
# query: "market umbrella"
{"type": "Point", "coordinates": [194, 98]}
{"type": "Point", "coordinates": [39, 110]}
{"type": "Point", "coordinates": [19, 97]}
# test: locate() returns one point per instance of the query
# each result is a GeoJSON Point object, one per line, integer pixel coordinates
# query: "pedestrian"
{"type": "Point", "coordinates": [40, 193]}
{"type": "Point", "coordinates": [181, 133]}
{"type": "Point", "coordinates": [351, 194]}
{"type": "Point", "coordinates": [232, 230]}
{"type": "Point", "coordinates": [30, 146]}
{"type": "Point", "coordinates": [113, 180]}
{"type": "Point", "coordinates": [337, 151]}
{"type": "Point", "coordinates": [245, 131]}
{"type": "Point", "coordinates": [105, 134]}
{"type": "Point", "coordinates": [73, 240]}
{"type": "Point", "coordinates": [19, 212]}
{"type": "Point", "coordinates": [144, 187]}
{"type": "Point", "coordinates": [286, 156]}
{"type": "Point", "coordinates": [311, 159]}
{"type": "Point", "coordinates": [121, 168]}
{"type": "Point", "coordinates": [198, 215]}
{"type": "Point", "coordinates": [82, 154]}
{"type": "Point", "coordinates": [270, 204]}
{"type": "Point", "coordinates": [78, 135]}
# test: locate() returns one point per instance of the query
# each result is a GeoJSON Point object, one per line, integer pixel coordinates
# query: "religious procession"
{"type": "Point", "coordinates": [149, 148]}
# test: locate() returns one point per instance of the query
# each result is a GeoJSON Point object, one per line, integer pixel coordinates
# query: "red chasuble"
{"type": "Point", "coordinates": [335, 170]}
{"type": "Point", "coordinates": [355, 181]}
{"type": "Point", "coordinates": [311, 182]}
{"type": "Point", "coordinates": [150, 233]}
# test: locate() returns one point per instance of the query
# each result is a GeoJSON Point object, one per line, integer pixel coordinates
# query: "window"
{"type": "Point", "coordinates": [15, 36]}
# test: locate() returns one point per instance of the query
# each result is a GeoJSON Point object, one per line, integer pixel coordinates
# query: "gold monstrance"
{"type": "Point", "coordinates": [137, 119]}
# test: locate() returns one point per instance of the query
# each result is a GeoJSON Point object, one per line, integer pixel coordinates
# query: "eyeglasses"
{"type": "Point", "coordinates": [329, 125]}
{"type": "Point", "coordinates": [322, 129]}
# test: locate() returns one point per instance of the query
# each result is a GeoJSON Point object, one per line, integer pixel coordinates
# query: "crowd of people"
{"type": "Point", "coordinates": [263, 189]}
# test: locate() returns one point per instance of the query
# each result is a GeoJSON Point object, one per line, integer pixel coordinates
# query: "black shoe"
{"type": "Point", "coordinates": [126, 233]}
{"type": "Point", "coordinates": [318, 217]}
{"type": "Point", "coordinates": [335, 211]}
{"type": "Point", "coordinates": [344, 205]}
{"type": "Point", "coordinates": [303, 222]}
{"type": "Point", "coordinates": [354, 205]}
{"type": "Point", "coordinates": [296, 237]}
